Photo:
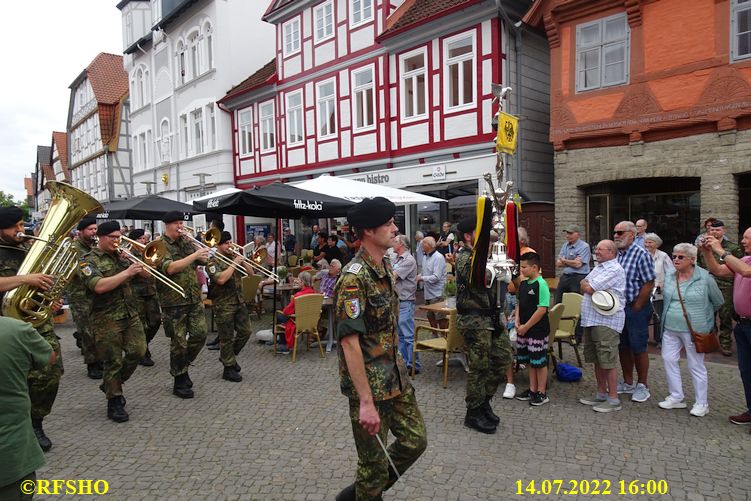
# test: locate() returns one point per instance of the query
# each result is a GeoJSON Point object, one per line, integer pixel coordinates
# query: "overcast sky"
{"type": "Point", "coordinates": [48, 43]}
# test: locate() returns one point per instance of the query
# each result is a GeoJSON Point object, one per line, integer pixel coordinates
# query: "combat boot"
{"type": "Point", "coordinates": [181, 389]}
{"type": "Point", "coordinates": [94, 370]}
{"type": "Point", "coordinates": [44, 442]}
{"type": "Point", "coordinates": [489, 414]}
{"type": "Point", "coordinates": [347, 494]}
{"type": "Point", "coordinates": [188, 381]}
{"type": "Point", "coordinates": [230, 374]}
{"type": "Point", "coordinates": [476, 420]}
{"type": "Point", "coordinates": [116, 411]}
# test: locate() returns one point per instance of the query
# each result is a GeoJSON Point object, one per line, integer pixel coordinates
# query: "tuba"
{"type": "Point", "coordinates": [52, 253]}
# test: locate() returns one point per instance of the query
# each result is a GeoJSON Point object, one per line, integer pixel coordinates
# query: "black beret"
{"type": "Point", "coordinates": [717, 224]}
{"type": "Point", "coordinates": [467, 225]}
{"type": "Point", "coordinates": [226, 237]}
{"type": "Point", "coordinates": [86, 222]}
{"type": "Point", "coordinates": [172, 216]}
{"type": "Point", "coordinates": [371, 212]}
{"type": "Point", "coordinates": [107, 227]}
{"type": "Point", "coordinates": [10, 216]}
{"type": "Point", "coordinates": [136, 234]}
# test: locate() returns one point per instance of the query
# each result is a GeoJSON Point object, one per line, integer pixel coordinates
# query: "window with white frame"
{"type": "Point", "coordinates": [459, 54]}
{"type": "Point", "coordinates": [196, 124]}
{"type": "Point", "coordinates": [143, 152]}
{"type": "Point", "coordinates": [208, 42]}
{"type": "Point", "coordinates": [156, 11]}
{"type": "Point", "coordinates": [741, 29]}
{"type": "Point", "coordinates": [181, 76]}
{"type": "Point", "coordinates": [362, 11]}
{"type": "Point", "coordinates": [165, 141]}
{"type": "Point", "coordinates": [414, 75]}
{"type": "Point", "coordinates": [184, 139]}
{"type": "Point", "coordinates": [291, 31]}
{"type": "Point", "coordinates": [268, 133]}
{"type": "Point", "coordinates": [211, 123]}
{"type": "Point", "coordinates": [245, 129]}
{"type": "Point", "coordinates": [326, 105]}
{"type": "Point", "coordinates": [324, 21]}
{"type": "Point", "coordinates": [363, 90]}
{"type": "Point", "coordinates": [602, 53]}
{"type": "Point", "coordinates": [195, 54]}
{"type": "Point", "coordinates": [129, 29]}
{"type": "Point", "coordinates": [295, 132]}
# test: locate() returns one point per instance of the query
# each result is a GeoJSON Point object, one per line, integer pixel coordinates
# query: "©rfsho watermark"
{"type": "Point", "coordinates": [80, 487]}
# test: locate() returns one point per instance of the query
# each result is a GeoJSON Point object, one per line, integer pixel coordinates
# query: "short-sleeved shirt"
{"type": "Point", "coordinates": [405, 268]}
{"type": "Point", "coordinates": [366, 305]}
{"type": "Point", "coordinates": [76, 290]}
{"type": "Point", "coordinates": [21, 350]}
{"type": "Point", "coordinates": [609, 276]}
{"type": "Point", "coordinates": [580, 249]}
{"type": "Point", "coordinates": [742, 292]}
{"type": "Point", "coordinates": [11, 259]}
{"type": "Point", "coordinates": [231, 291]}
{"type": "Point", "coordinates": [117, 303]}
{"type": "Point", "coordinates": [725, 283]}
{"type": "Point", "coordinates": [185, 278]}
{"type": "Point", "coordinates": [532, 295]}
{"type": "Point", "coordinates": [328, 282]}
{"type": "Point", "coordinates": [639, 268]}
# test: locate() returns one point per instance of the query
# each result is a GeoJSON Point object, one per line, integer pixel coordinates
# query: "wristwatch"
{"type": "Point", "coordinates": [724, 255]}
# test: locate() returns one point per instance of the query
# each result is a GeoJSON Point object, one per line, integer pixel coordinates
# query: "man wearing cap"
{"type": "Point", "coordinates": [182, 315]}
{"type": "Point", "coordinates": [43, 382]}
{"type": "Point", "coordinates": [79, 299]}
{"type": "Point", "coordinates": [372, 371]}
{"type": "Point", "coordinates": [230, 312]}
{"type": "Point", "coordinates": [574, 260]}
{"type": "Point", "coordinates": [144, 293]}
{"type": "Point", "coordinates": [602, 317]}
{"type": "Point", "coordinates": [485, 339]}
{"type": "Point", "coordinates": [115, 322]}
{"type": "Point", "coordinates": [717, 230]}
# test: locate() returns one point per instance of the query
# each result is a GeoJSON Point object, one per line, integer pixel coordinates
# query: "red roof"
{"type": "Point", "coordinates": [275, 5]}
{"type": "Point", "coordinates": [414, 12]}
{"type": "Point", "coordinates": [264, 76]}
{"type": "Point", "coordinates": [108, 78]}
{"type": "Point", "coordinates": [59, 139]}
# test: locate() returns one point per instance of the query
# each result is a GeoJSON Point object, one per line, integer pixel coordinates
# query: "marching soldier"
{"type": "Point", "coordinates": [144, 293]}
{"type": "Point", "coordinates": [230, 311]}
{"type": "Point", "coordinates": [115, 323]}
{"type": "Point", "coordinates": [79, 298]}
{"type": "Point", "coordinates": [43, 383]}
{"type": "Point", "coordinates": [486, 342]}
{"type": "Point", "coordinates": [372, 371]}
{"type": "Point", "coordinates": [182, 315]}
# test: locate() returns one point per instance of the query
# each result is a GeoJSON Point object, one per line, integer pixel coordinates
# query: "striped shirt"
{"type": "Point", "coordinates": [608, 275]}
{"type": "Point", "coordinates": [639, 268]}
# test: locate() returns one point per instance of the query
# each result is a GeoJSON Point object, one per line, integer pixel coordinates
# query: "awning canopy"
{"type": "Point", "coordinates": [351, 189]}
{"type": "Point", "coordinates": [150, 207]}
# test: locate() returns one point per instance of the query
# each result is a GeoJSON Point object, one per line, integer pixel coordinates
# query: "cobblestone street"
{"type": "Point", "coordinates": [283, 434]}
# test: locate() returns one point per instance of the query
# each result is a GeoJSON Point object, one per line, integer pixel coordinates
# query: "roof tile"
{"type": "Point", "coordinates": [108, 78]}
{"type": "Point", "coordinates": [414, 11]}
{"type": "Point", "coordinates": [265, 75]}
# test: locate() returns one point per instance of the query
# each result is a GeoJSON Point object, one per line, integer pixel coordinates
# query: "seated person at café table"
{"type": "Point", "coordinates": [328, 277]}
{"type": "Point", "coordinates": [305, 280]}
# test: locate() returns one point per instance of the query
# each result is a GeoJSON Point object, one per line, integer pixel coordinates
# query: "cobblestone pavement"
{"type": "Point", "coordinates": [283, 434]}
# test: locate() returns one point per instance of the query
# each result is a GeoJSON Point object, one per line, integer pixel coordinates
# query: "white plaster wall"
{"type": "Point", "coordinates": [364, 144]}
{"type": "Point", "coordinates": [328, 151]}
{"type": "Point", "coordinates": [460, 125]}
{"type": "Point", "coordinates": [361, 38]}
{"type": "Point", "coordinates": [414, 135]}
{"type": "Point", "coordinates": [325, 52]}
{"type": "Point", "coordinates": [295, 157]}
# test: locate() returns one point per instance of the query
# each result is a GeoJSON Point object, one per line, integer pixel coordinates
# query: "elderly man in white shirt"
{"type": "Point", "coordinates": [433, 278]}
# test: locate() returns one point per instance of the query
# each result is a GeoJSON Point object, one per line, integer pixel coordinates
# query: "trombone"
{"type": "Point", "coordinates": [153, 254]}
{"type": "Point", "coordinates": [255, 260]}
{"type": "Point", "coordinates": [210, 241]}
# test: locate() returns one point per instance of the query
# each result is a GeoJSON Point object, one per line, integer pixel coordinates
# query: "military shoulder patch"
{"type": "Point", "coordinates": [352, 308]}
{"type": "Point", "coordinates": [354, 268]}
{"type": "Point", "coordinates": [85, 268]}
{"type": "Point", "coordinates": [212, 269]}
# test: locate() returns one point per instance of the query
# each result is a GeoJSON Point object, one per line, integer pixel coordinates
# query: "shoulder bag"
{"type": "Point", "coordinates": [705, 342]}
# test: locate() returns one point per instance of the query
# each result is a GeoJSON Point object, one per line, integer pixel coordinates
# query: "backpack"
{"type": "Point", "coordinates": [568, 373]}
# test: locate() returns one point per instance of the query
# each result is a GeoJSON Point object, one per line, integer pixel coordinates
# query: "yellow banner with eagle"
{"type": "Point", "coordinates": [508, 127]}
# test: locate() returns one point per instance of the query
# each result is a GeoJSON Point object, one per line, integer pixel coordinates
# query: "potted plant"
{"type": "Point", "coordinates": [449, 290]}
{"type": "Point", "coordinates": [282, 272]}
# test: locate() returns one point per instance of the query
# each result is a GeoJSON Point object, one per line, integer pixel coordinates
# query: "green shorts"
{"type": "Point", "coordinates": [601, 346]}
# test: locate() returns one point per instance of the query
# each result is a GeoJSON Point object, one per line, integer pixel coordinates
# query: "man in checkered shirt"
{"type": "Point", "coordinates": [640, 277]}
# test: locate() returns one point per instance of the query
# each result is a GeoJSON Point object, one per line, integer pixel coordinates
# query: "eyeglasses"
{"type": "Point", "coordinates": [679, 257]}
{"type": "Point", "coordinates": [620, 232]}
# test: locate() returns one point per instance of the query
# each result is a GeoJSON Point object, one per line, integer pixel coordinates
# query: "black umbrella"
{"type": "Point", "coordinates": [275, 200]}
{"type": "Point", "coordinates": [149, 207]}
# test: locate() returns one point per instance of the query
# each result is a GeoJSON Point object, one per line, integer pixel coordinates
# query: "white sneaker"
{"type": "Point", "coordinates": [641, 393]}
{"type": "Point", "coordinates": [510, 391]}
{"type": "Point", "coordinates": [672, 403]}
{"type": "Point", "coordinates": [625, 388]}
{"type": "Point", "coordinates": [699, 410]}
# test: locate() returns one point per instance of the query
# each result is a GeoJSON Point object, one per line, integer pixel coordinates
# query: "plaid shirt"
{"type": "Point", "coordinates": [639, 268]}
{"type": "Point", "coordinates": [609, 276]}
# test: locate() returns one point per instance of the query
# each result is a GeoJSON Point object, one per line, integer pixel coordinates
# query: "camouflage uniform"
{"type": "Point", "coordinates": [485, 340]}
{"type": "Point", "coordinates": [79, 299]}
{"type": "Point", "coordinates": [183, 317]}
{"type": "Point", "coordinates": [366, 305]}
{"type": "Point", "coordinates": [230, 312]}
{"type": "Point", "coordinates": [726, 286]}
{"type": "Point", "coordinates": [114, 320]}
{"type": "Point", "coordinates": [147, 304]}
{"type": "Point", "coordinates": [43, 383]}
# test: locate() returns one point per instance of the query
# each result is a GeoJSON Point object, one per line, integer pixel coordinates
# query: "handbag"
{"type": "Point", "coordinates": [705, 342]}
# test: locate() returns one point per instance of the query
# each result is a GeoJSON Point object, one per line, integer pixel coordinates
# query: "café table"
{"type": "Point", "coordinates": [443, 307]}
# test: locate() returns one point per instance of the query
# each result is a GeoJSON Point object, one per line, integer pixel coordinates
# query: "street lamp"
{"type": "Point", "coordinates": [148, 184]}
{"type": "Point", "coordinates": [202, 182]}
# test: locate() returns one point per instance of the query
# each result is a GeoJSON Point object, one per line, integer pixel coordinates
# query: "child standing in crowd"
{"type": "Point", "coordinates": [533, 328]}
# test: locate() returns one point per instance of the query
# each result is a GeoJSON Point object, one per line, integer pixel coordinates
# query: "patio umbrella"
{"type": "Point", "coordinates": [150, 207]}
{"type": "Point", "coordinates": [354, 190]}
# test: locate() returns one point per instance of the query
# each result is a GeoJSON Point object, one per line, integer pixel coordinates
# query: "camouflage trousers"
{"type": "Point", "coordinates": [726, 319]}
{"type": "Point", "coordinates": [120, 344]}
{"type": "Point", "coordinates": [400, 415]}
{"type": "Point", "coordinates": [44, 383]}
{"type": "Point", "coordinates": [150, 314]}
{"type": "Point", "coordinates": [231, 318]}
{"type": "Point", "coordinates": [81, 311]}
{"type": "Point", "coordinates": [489, 355]}
{"type": "Point", "coordinates": [186, 327]}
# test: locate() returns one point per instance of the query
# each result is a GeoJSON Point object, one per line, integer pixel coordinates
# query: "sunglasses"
{"type": "Point", "coordinates": [679, 257]}
{"type": "Point", "coordinates": [620, 232]}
